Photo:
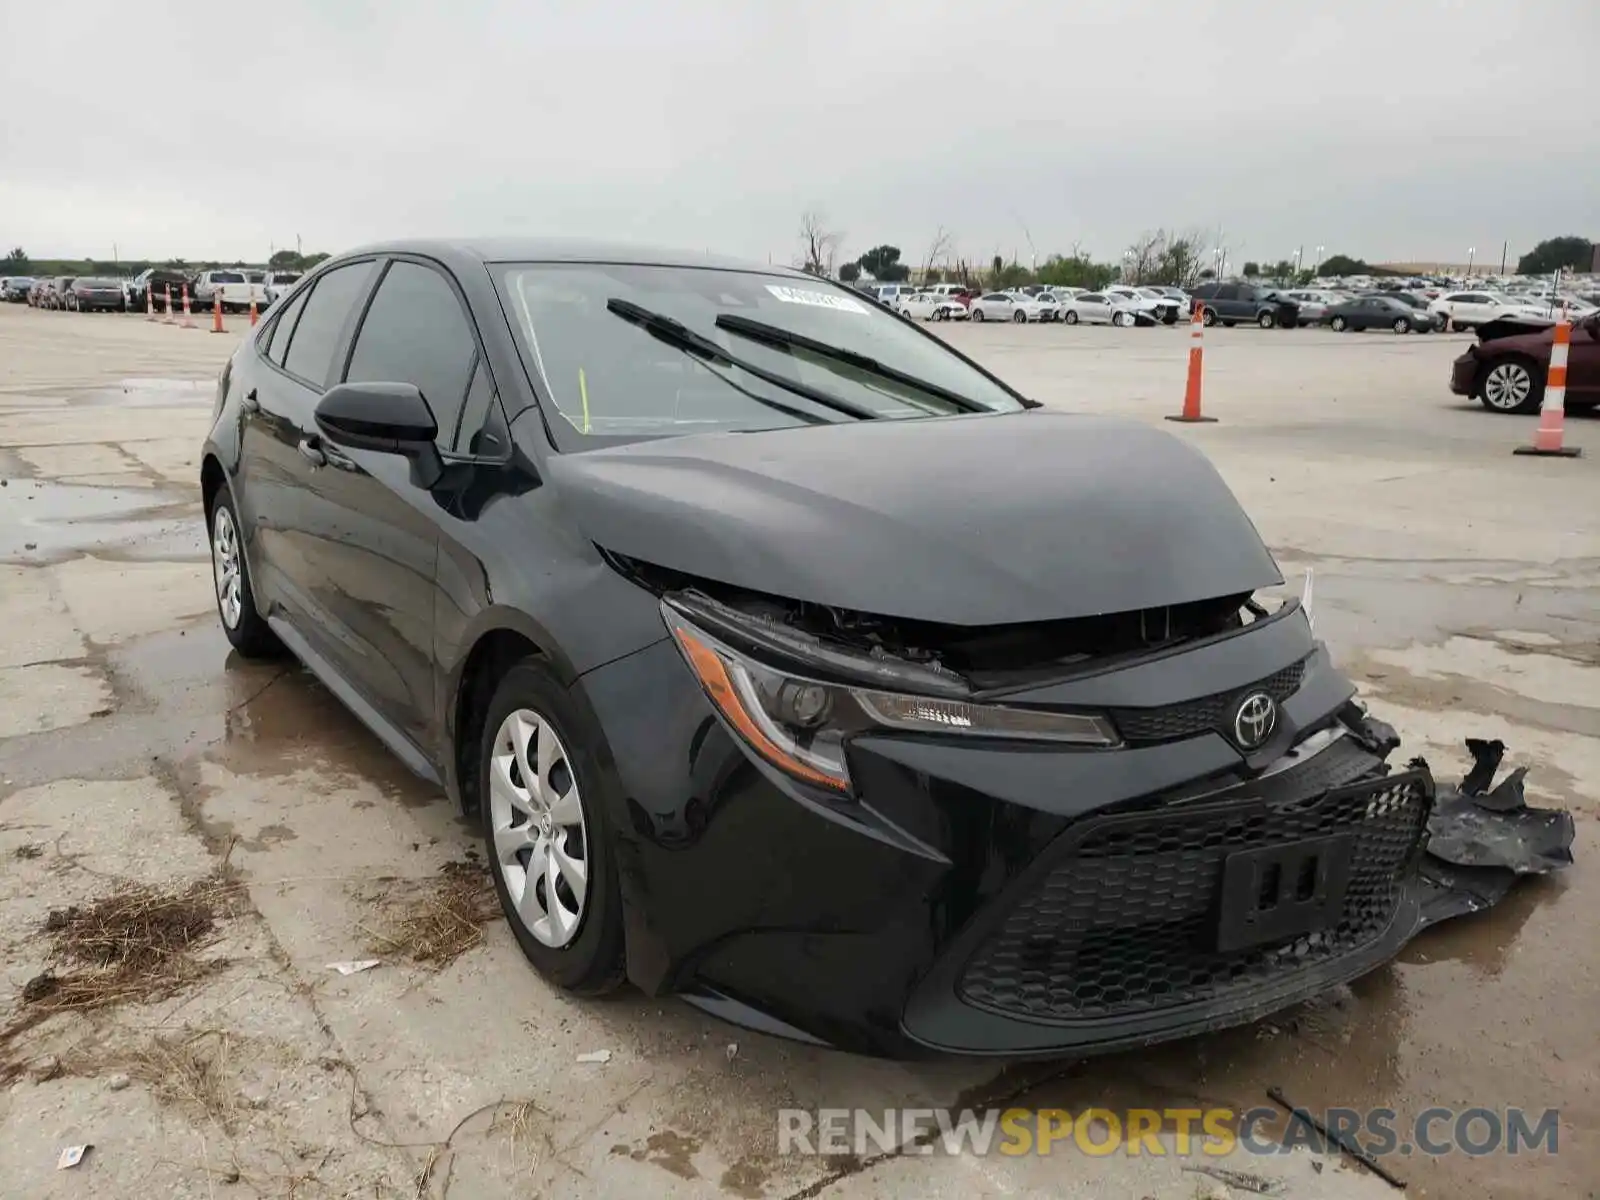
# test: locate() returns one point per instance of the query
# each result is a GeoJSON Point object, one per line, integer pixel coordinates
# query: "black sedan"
{"type": "Point", "coordinates": [793, 663]}
{"type": "Point", "coordinates": [1378, 312]}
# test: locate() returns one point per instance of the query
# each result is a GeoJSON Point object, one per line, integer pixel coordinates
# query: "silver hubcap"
{"type": "Point", "coordinates": [541, 848]}
{"type": "Point", "coordinates": [1508, 385]}
{"type": "Point", "coordinates": [225, 568]}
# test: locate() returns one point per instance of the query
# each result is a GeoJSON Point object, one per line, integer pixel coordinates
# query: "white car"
{"type": "Point", "coordinates": [277, 283]}
{"type": "Point", "coordinates": [234, 287]}
{"type": "Point", "coordinates": [1103, 308]}
{"type": "Point", "coordinates": [1159, 306]}
{"type": "Point", "coordinates": [930, 306]}
{"type": "Point", "coordinates": [1314, 303]}
{"type": "Point", "coordinates": [1002, 306]}
{"type": "Point", "coordinates": [1465, 310]}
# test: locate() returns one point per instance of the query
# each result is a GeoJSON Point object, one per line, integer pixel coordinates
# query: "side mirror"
{"type": "Point", "coordinates": [390, 418]}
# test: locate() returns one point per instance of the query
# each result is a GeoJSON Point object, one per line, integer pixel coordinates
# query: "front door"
{"type": "Point", "coordinates": [383, 526]}
{"type": "Point", "coordinates": [1583, 361]}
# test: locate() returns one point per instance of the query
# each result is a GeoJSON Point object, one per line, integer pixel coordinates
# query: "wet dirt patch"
{"type": "Point", "coordinates": [432, 922]}
{"type": "Point", "coordinates": [150, 393]}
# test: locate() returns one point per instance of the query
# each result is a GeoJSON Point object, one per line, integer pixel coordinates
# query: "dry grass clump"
{"type": "Point", "coordinates": [442, 920]}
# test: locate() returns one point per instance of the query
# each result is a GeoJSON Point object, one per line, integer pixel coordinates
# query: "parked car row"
{"type": "Point", "coordinates": [236, 288]}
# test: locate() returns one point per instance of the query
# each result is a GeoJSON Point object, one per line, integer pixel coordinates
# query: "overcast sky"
{"type": "Point", "coordinates": [1392, 130]}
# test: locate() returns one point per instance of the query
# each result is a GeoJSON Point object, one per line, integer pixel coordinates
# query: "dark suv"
{"type": "Point", "coordinates": [1230, 303]}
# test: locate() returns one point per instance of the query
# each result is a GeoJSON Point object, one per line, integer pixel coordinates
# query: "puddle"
{"type": "Point", "coordinates": [151, 393]}
{"type": "Point", "coordinates": [40, 521]}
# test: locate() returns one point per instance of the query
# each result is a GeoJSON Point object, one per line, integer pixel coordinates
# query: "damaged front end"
{"type": "Point", "coordinates": [1089, 833]}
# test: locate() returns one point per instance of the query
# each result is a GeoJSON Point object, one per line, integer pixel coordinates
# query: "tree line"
{"type": "Point", "coordinates": [1162, 257]}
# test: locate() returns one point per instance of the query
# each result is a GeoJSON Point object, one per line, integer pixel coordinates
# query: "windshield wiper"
{"type": "Point", "coordinates": [676, 333]}
{"type": "Point", "coordinates": [773, 335]}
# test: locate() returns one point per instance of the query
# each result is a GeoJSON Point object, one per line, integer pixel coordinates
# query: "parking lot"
{"type": "Point", "coordinates": [140, 759]}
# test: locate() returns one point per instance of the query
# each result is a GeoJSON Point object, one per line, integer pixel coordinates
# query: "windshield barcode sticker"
{"type": "Point", "coordinates": [792, 295]}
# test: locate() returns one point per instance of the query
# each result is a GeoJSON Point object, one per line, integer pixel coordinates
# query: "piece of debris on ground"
{"type": "Point", "coordinates": [192, 1069]}
{"type": "Point", "coordinates": [435, 921]}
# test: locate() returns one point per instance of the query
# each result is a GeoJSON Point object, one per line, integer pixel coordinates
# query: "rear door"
{"type": "Point", "coordinates": [383, 532]}
{"type": "Point", "coordinates": [280, 453]}
{"type": "Point", "coordinates": [1583, 362]}
{"type": "Point", "coordinates": [1228, 302]}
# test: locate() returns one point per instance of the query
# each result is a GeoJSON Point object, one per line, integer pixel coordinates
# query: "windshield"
{"type": "Point", "coordinates": [614, 378]}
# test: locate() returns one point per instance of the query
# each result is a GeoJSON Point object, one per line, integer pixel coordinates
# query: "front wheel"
{"type": "Point", "coordinates": [1401, 325]}
{"type": "Point", "coordinates": [539, 794]}
{"type": "Point", "coordinates": [1511, 387]}
{"type": "Point", "coordinates": [1020, 317]}
{"type": "Point", "coordinates": [1209, 318]}
{"type": "Point", "coordinates": [1124, 319]}
{"type": "Point", "coordinates": [1070, 317]}
{"type": "Point", "coordinates": [1267, 320]}
{"type": "Point", "coordinates": [977, 315]}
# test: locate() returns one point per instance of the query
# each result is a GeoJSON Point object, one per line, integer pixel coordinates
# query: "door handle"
{"type": "Point", "coordinates": [309, 448]}
{"type": "Point", "coordinates": [251, 403]}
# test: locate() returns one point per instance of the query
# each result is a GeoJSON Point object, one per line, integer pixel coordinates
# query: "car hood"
{"type": "Point", "coordinates": [972, 520]}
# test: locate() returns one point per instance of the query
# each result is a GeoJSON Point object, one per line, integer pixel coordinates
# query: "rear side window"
{"type": "Point", "coordinates": [282, 329]}
{"type": "Point", "coordinates": [322, 321]}
{"type": "Point", "coordinates": [416, 332]}
{"type": "Point", "coordinates": [226, 277]}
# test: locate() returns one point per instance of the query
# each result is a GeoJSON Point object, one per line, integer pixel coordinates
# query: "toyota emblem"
{"type": "Point", "coordinates": [1254, 720]}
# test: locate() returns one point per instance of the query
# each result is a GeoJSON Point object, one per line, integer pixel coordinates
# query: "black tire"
{"type": "Point", "coordinates": [1339, 324]}
{"type": "Point", "coordinates": [1070, 317]}
{"type": "Point", "coordinates": [1208, 317]}
{"type": "Point", "coordinates": [592, 963]}
{"type": "Point", "coordinates": [1020, 317]}
{"type": "Point", "coordinates": [977, 315]}
{"type": "Point", "coordinates": [1267, 319]}
{"type": "Point", "coordinates": [1401, 325]}
{"type": "Point", "coordinates": [251, 636]}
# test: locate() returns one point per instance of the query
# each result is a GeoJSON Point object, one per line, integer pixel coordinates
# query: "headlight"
{"type": "Point", "coordinates": [800, 725]}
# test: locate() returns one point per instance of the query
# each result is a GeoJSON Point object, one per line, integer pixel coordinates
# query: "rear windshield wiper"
{"type": "Point", "coordinates": [773, 335]}
{"type": "Point", "coordinates": [676, 333]}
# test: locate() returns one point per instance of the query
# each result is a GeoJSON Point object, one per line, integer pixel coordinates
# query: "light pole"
{"type": "Point", "coordinates": [1317, 270]}
{"type": "Point", "coordinates": [1127, 265]}
{"type": "Point", "coordinates": [1471, 251]}
{"type": "Point", "coordinates": [1299, 251]}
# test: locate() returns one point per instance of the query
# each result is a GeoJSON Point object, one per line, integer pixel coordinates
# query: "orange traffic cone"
{"type": "Point", "coordinates": [186, 323]}
{"type": "Point", "coordinates": [149, 303]}
{"type": "Point", "coordinates": [1191, 391]}
{"type": "Point", "coordinates": [1552, 409]}
{"type": "Point", "coordinates": [167, 320]}
{"type": "Point", "coordinates": [254, 316]}
{"type": "Point", "coordinates": [216, 314]}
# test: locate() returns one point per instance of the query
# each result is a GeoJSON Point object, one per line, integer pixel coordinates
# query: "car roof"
{"type": "Point", "coordinates": [569, 250]}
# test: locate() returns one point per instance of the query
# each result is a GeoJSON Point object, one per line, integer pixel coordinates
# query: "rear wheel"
{"type": "Point", "coordinates": [549, 834]}
{"type": "Point", "coordinates": [1020, 317]}
{"type": "Point", "coordinates": [1339, 324]}
{"type": "Point", "coordinates": [244, 626]}
{"type": "Point", "coordinates": [1209, 317]}
{"type": "Point", "coordinates": [1512, 385]}
{"type": "Point", "coordinates": [1401, 325]}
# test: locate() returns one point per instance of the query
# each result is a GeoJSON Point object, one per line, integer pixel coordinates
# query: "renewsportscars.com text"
{"type": "Point", "coordinates": [1163, 1132]}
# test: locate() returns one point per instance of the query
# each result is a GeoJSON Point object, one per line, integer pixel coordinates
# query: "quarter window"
{"type": "Point", "coordinates": [283, 329]}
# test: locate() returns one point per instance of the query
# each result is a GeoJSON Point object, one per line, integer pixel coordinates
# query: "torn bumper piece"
{"type": "Point", "coordinates": [1483, 837]}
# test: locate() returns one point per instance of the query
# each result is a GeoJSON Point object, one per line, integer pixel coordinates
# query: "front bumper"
{"type": "Point", "coordinates": [966, 901]}
{"type": "Point", "coordinates": [1464, 375]}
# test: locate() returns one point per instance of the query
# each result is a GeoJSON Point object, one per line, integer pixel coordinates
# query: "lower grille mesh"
{"type": "Point", "coordinates": [1126, 920]}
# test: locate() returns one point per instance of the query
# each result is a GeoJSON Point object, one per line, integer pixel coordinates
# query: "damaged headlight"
{"type": "Point", "coordinates": [800, 725]}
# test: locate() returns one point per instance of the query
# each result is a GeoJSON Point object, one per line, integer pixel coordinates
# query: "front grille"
{"type": "Point", "coordinates": [1126, 921]}
{"type": "Point", "coordinates": [1173, 721]}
